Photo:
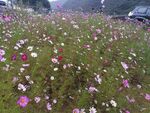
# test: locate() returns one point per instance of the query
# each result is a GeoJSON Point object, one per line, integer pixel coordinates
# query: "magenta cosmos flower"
{"type": "Point", "coordinates": [24, 57]}
{"type": "Point", "coordinates": [23, 101]}
{"type": "Point", "coordinates": [125, 83]}
{"type": "Point", "coordinates": [76, 110]}
{"type": "Point", "coordinates": [13, 57]}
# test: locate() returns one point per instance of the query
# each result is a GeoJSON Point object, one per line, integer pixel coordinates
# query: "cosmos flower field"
{"type": "Point", "coordinates": [73, 62]}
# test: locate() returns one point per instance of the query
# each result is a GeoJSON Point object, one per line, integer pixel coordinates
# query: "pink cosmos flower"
{"type": "Point", "coordinates": [125, 83]}
{"type": "Point", "coordinates": [86, 46]}
{"type": "Point", "coordinates": [7, 18]}
{"type": "Point", "coordinates": [24, 57]}
{"type": "Point", "coordinates": [98, 31]}
{"type": "Point", "coordinates": [120, 89]}
{"type": "Point", "coordinates": [92, 89]}
{"type": "Point", "coordinates": [1, 57]}
{"type": "Point", "coordinates": [15, 79]}
{"type": "Point", "coordinates": [49, 106]}
{"type": "Point", "coordinates": [2, 52]}
{"type": "Point", "coordinates": [94, 35]}
{"type": "Point", "coordinates": [85, 17]}
{"type": "Point", "coordinates": [148, 29]}
{"type": "Point", "coordinates": [130, 100]}
{"type": "Point", "coordinates": [54, 60]}
{"type": "Point", "coordinates": [64, 66]}
{"type": "Point", "coordinates": [147, 97]}
{"type": "Point", "coordinates": [76, 110]}
{"type": "Point", "coordinates": [124, 65]}
{"type": "Point", "coordinates": [23, 101]}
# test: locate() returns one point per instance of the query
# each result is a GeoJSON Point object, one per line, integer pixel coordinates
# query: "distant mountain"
{"type": "Point", "coordinates": [84, 5]}
{"type": "Point", "coordinates": [111, 6]}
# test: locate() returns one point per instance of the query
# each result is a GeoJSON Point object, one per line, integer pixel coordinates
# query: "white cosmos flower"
{"type": "Point", "coordinates": [18, 44]}
{"type": "Point", "coordinates": [98, 79]}
{"type": "Point", "coordinates": [52, 78]}
{"type": "Point", "coordinates": [56, 51]}
{"type": "Point", "coordinates": [34, 54]}
{"type": "Point", "coordinates": [31, 82]}
{"type": "Point", "coordinates": [53, 22]}
{"type": "Point", "coordinates": [65, 33]}
{"type": "Point", "coordinates": [82, 111]}
{"type": "Point", "coordinates": [62, 44]}
{"type": "Point", "coordinates": [30, 48]}
{"type": "Point", "coordinates": [76, 26]}
{"type": "Point", "coordinates": [113, 103]}
{"type": "Point", "coordinates": [93, 110]}
{"type": "Point", "coordinates": [63, 18]}
{"type": "Point", "coordinates": [54, 101]}
{"type": "Point", "coordinates": [16, 48]}
{"type": "Point", "coordinates": [133, 54]}
{"type": "Point", "coordinates": [56, 69]}
{"type": "Point", "coordinates": [21, 87]}
{"type": "Point", "coordinates": [22, 70]}
{"type": "Point", "coordinates": [102, 1]}
{"type": "Point", "coordinates": [22, 42]}
{"type": "Point", "coordinates": [27, 77]}
{"type": "Point", "coordinates": [25, 65]}
{"type": "Point", "coordinates": [73, 22]}
{"type": "Point", "coordinates": [37, 99]}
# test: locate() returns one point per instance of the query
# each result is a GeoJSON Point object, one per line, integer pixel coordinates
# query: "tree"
{"type": "Point", "coordinates": [35, 3]}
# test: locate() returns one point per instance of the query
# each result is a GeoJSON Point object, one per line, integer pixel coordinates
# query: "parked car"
{"type": "Point", "coordinates": [140, 13]}
{"type": "Point", "coordinates": [5, 4]}
{"type": "Point", "coordinates": [2, 6]}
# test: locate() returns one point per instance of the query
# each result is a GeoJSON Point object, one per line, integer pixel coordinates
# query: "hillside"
{"type": "Point", "coordinates": [84, 5]}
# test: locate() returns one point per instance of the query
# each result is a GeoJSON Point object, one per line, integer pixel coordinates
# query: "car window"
{"type": "Point", "coordinates": [141, 10]}
{"type": "Point", "coordinates": [148, 11]}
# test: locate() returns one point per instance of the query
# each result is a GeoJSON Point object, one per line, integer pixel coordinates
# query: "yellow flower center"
{"type": "Point", "coordinates": [22, 100]}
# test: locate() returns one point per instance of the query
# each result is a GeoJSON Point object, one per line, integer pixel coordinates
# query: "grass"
{"type": "Point", "coordinates": [71, 36]}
